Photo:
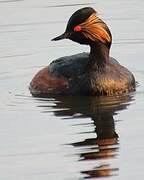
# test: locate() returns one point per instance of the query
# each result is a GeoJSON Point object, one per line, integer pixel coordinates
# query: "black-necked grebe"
{"type": "Point", "coordinates": [94, 73]}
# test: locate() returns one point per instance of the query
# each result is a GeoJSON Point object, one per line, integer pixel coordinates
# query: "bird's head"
{"type": "Point", "coordinates": [85, 27]}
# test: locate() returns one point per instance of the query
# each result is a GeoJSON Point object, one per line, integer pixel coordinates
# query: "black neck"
{"type": "Point", "coordinates": [99, 55]}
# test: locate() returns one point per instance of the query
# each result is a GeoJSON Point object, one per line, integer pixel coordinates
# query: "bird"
{"type": "Point", "coordinates": [92, 73]}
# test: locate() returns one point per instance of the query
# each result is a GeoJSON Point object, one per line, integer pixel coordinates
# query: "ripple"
{"type": "Point", "coordinates": [129, 41]}
{"type": "Point", "coordinates": [9, 1]}
{"type": "Point", "coordinates": [31, 23]}
{"type": "Point", "coordinates": [66, 5]}
{"type": "Point", "coordinates": [16, 55]}
{"type": "Point", "coordinates": [16, 31]}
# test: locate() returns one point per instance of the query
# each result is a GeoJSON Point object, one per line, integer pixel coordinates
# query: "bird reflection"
{"type": "Point", "coordinates": [105, 145]}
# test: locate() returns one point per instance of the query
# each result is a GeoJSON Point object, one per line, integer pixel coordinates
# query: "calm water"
{"type": "Point", "coordinates": [68, 138]}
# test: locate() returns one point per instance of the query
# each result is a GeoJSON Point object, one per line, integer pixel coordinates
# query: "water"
{"type": "Point", "coordinates": [68, 138]}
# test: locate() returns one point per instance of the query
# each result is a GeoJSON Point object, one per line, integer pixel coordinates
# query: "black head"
{"type": "Point", "coordinates": [85, 27]}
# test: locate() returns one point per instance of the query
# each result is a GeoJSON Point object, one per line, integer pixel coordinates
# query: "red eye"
{"type": "Point", "coordinates": [77, 28]}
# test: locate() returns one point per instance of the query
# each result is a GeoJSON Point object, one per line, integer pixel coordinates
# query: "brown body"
{"type": "Point", "coordinates": [46, 83]}
{"type": "Point", "coordinates": [69, 76]}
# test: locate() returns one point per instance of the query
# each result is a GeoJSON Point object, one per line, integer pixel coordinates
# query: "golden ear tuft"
{"type": "Point", "coordinates": [95, 29]}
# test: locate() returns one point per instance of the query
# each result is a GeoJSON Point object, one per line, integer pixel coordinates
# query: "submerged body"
{"type": "Point", "coordinates": [94, 73]}
{"type": "Point", "coordinates": [70, 76]}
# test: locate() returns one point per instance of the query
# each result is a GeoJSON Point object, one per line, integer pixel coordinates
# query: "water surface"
{"type": "Point", "coordinates": [68, 137]}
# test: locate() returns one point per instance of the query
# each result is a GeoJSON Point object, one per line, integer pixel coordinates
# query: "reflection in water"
{"type": "Point", "coordinates": [105, 145]}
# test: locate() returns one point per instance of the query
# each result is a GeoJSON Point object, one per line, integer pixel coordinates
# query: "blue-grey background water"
{"type": "Point", "coordinates": [68, 138]}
